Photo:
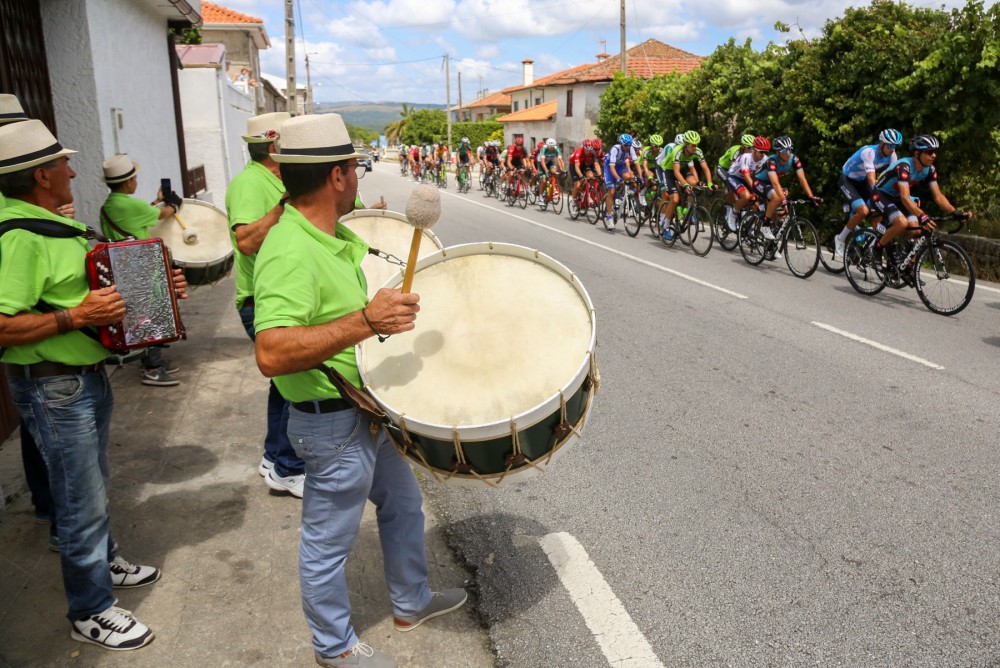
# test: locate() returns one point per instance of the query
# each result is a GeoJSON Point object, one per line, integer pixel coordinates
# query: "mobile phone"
{"type": "Point", "coordinates": [165, 186]}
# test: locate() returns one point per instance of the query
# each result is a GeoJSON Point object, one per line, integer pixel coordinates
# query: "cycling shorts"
{"type": "Point", "coordinates": [735, 183]}
{"type": "Point", "coordinates": [890, 208]}
{"type": "Point", "coordinates": [855, 192]}
{"type": "Point", "coordinates": [583, 170]}
{"type": "Point", "coordinates": [517, 163]}
{"type": "Point", "coordinates": [669, 181]}
{"type": "Point", "coordinates": [493, 159]}
{"type": "Point", "coordinates": [764, 189]}
{"type": "Point", "coordinates": [463, 159]}
{"type": "Point", "coordinates": [609, 180]}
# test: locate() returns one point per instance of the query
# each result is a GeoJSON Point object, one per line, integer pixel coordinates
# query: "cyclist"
{"type": "Point", "coordinates": [415, 161]}
{"type": "Point", "coordinates": [616, 164]}
{"type": "Point", "coordinates": [857, 179]}
{"type": "Point", "coordinates": [581, 164]}
{"type": "Point", "coordinates": [491, 156]}
{"type": "Point", "coordinates": [739, 178]}
{"type": "Point", "coordinates": [892, 199]}
{"type": "Point", "coordinates": [516, 159]}
{"type": "Point", "coordinates": [686, 152]}
{"type": "Point", "coordinates": [731, 154]}
{"type": "Point", "coordinates": [464, 156]}
{"type": "Point", "coordinates": [768, 185]}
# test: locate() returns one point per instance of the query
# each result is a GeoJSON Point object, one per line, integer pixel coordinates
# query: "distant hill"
{"type": "Point", "coordinates": [369, 115]}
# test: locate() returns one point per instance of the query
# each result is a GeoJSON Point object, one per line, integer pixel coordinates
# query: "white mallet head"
{"type": "Point", "coordinates": [423, 208]}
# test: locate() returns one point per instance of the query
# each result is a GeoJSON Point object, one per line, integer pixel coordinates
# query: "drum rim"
{"type": "Point", "coordinates": [198, 264]}
{"type": "Point", "coordinates": [385, 213]}
{"type": "Point", "coordinates": [499, 428]}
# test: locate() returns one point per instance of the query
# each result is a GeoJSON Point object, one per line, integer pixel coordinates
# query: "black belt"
{"type": "Point", "coordinates": [248, 301]}
{"type": "Point", "coordinates": [323, 406]}
{"type": "Point", "coordinates": [44, 369]}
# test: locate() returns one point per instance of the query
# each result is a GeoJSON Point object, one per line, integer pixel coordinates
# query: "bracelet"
{"type": "Point", "coordinates": [64, 321]}
{"type": "Point", "coordinates": [381, 339]}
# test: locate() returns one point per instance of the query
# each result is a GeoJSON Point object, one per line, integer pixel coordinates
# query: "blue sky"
{"type": "Point", "coordinates": [393, 49]}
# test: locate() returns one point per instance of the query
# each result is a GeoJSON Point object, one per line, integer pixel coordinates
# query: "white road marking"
{"type": "Point", "coordinates": [979, 286]}
{"type": "Point", "coordinates": [606, 248]}
{"type": "Point", "coordinates": [879, 346]}
{"type": "Point", "coordinates": [623, 644]}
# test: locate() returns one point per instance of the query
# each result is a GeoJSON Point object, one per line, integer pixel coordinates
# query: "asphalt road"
{"type": "Point", "coordinates": [752, 489]}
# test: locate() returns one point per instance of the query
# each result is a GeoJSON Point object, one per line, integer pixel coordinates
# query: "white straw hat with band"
{"type": "Point", "coordinates": [263, 129]}
{"type": "Point", "coordinates": [315, 138]}
{"type": "Point", "coordinates": [27, 144]}
{"type": "Point", "coordinates": [11, 110]}
{"type": "Point", "coordinates": [119, 169]}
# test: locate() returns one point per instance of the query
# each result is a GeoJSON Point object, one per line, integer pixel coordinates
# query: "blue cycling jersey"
{"type": "Point", "coordinates": [903, 170]}
{"type": "Point", "coordinates": [617, 156]}
{"type": "Point", "coordinates": [774, 164]}
{"type": "Point", "coordinates": [866, 159]}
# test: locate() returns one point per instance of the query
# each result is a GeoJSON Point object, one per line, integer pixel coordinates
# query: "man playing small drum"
{"type": "Point", "coordinates": [312, 308]}
{"type": "Point", "coordinates": [254, 203]}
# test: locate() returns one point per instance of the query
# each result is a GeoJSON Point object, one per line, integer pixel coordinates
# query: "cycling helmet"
{"type": "Point", "coordinates": [762, 143]}
{"type": "Point", "coordinates": [746, 141]}
{"type": "Point", "coordinates": [782, 143]}
{"type": "Point", "coordinates": [891, 137]}
{"type": "Point", "coordinates": [465, 140]}
{"type": "Point", "coordinates": [540, 144]}
{"type": "Point", "coordinates": [656, 140]}
{"type": "Point", "coordinates": [691, 137]}
{"type": "Point", "coordinates": [588, 145]}
{"type": "Point", "coordinates": [925, 143]}
{"type": "Point", "coordinates": [625, 139]}
{"type": "Point", "coordinates": [636, 144]}
{"type": "Point", "coordinates": [550, 142]}
{"type": "Point", "coordinates": [679, 139]}
{"type": "Point", "coordinates": [519, 141]}
{"type": "Point", "coordinates": [597, 143]}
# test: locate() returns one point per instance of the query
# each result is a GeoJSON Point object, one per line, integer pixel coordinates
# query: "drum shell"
{"type": "Point", "coordinates": [208, 260]}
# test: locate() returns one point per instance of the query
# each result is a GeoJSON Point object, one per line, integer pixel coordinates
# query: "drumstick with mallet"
{"type": "Point", "coordinates": [422, 211]}
{"type": "Point", "coordinates": [190, 235]}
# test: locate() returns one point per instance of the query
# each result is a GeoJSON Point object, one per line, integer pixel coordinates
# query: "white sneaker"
{"type": "Point", "coordinates": [125, 574]}
{"type": "Point", "coordinates": [293, 484]}
{"type": "Point", "coordinates": [264, 466]}
{"type": "Point", "coordinates": [767, 232]}
{"type": "Point", "coordinates": [609, 224]}
{"type": "Point", "coordinates": [839, 245]}
{"type": "Point", "coordinates": [114, 629]}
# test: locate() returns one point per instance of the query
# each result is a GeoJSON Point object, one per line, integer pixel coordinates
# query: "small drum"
{"type": "Point", "coordinates": [388, 232]}
{"type": "Point", "coordinates": [499, 376]}
{"type": "Point", "coordinates": [210, 257]}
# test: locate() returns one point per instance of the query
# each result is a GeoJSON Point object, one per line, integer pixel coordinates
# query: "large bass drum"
{"type": "Point", "coordinates": [499, 376]}
{"type": "Point", "coordinates": [388, 232]}
{"type": "Point", "coordinates": [203, 250]}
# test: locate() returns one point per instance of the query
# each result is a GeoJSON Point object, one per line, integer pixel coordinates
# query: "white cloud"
{"type": "Point", "coordinates": [487, 51]}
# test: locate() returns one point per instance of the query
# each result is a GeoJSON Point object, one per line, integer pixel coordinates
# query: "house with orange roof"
{"type": "Point", "coordinates": [244, 37]}
{"type": "Point", "coordinates": [483, 108]}
{"type": "Point", "coordinates": [565, 105]}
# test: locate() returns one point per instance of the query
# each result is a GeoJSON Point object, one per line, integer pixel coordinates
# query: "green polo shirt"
{"type": "Point", "coordinates": [250, 196]}
{"type": "Point", "coordinates": [304, 277]}
{"type": "Point", "coordinates": [33, 268]}
{"type": "Point", "coordinates": [129, 213]}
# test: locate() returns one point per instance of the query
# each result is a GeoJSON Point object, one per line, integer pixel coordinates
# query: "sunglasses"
{"type": "Point", "coordinates": [931, 152]}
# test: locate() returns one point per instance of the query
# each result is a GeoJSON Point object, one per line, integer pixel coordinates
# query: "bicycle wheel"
{"type": "Point", "coordinates": [801, 248]}
{"type": "Point", "coordinates": [828, 251]}
{"type": "Point", "coordinates": [574, 207]}
{"type": "Point", "coordinates": [531, 190]}
{"type": "Point", "coordinates": [557, 199]}
{"type": "Point", "coordinates": [862, 265]}
{"type": "Point", "coordinates": [524, 194]}
{"type": "Point", "coordinates": [630, 215]}
{"type": "Point", "coordinates": [751, 240]}
{"type": "Point", "coordinates": [944, 277]}
{"type": "Point", "coordinates": [699, 231]}
{"type": "Point", "coordinates": [654, 221]}
{"type": "Point", "coordinates": [511, 194]}
{"type": "Point", "coordinates": [594, 211]}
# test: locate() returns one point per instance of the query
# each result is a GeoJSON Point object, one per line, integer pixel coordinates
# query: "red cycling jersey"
{"type": "Point", "coordinates": [582, 158]}
{"type": "Point", "coordinates": [515, 152]}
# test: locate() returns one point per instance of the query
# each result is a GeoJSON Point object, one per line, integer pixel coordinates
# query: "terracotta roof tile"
{"type": "Point", "coordinates": [213, 13]}
{"type": "Point", "coordinates": [500, 99]}
{"type": "Point", "coordinates": [644, 60]}
{"type": "Point", "coordinates": [539, 112]}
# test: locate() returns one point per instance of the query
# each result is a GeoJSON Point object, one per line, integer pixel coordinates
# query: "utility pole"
{"type": "Point", "coordinates": [624, 63]}
{"type": "Point", "coordinates": [290, 56]}
{"type": "Point", "coordinates": [309, 90]}
{"type": "Point", "coordinates": [447, 94]}
{"type": "Point", "coordinates": [460, 114]}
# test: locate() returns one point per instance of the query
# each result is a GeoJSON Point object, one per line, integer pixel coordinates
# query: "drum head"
{"type": "Point", "coordinates": [388, 232]}
{"type": "Point", "coordinates": [503, 332]}
{"type": "Point", "coordinates": [213, 243]}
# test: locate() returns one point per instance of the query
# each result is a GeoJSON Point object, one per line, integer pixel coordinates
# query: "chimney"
{"type": "Point", "coordinates": [601, 57]}
{"type": "Point", "coordinates": [529, 71]}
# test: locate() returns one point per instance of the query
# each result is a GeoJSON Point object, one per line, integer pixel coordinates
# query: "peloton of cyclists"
{"type": "Point", "coordinates": [739, 178]}
{"type": "Point", "coordinates": [581, 164]}
{"type": "Point", "coordinates": [857, 179]}
{"type": "Point", "coordinates": [768, 186]}
{"type": "Point", "coordinates": [517, 159]}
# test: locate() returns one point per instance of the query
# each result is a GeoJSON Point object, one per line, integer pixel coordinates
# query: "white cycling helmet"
{"type": "Point", "coordinates": [679, 139]}
{"type": "Point", "coordinates": [550, 142]}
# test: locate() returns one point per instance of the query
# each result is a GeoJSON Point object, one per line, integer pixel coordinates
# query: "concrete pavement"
{"type": "Point", "coordinates": [186, 497]}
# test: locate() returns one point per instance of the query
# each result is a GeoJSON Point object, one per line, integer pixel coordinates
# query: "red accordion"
{"type": "Point", "coordinates": [141, 271]}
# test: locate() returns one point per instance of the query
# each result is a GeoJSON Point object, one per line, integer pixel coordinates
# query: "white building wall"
{"type": "Point", "coordinates": [110, 57]}
{"type": "Point", "coordinates": [215, 116]}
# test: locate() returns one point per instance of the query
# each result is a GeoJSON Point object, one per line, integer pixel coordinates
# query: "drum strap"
{"type": "Point", "coordinates": [360, 400]}
{"type": "Point", "coordinates": [107, 219]}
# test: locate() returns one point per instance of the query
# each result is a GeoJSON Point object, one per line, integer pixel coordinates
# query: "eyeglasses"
{"type": "Point", "coordinates": [932, 152]}
{"type": "Point", "coordinates": [359, 169]}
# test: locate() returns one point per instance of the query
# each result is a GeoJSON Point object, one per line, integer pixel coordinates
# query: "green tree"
{"type": "Point", "coordinates": [425, 126]}
{"type": "Point", "coordinates": [394, 131]}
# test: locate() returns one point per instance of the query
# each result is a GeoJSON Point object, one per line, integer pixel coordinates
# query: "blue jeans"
{"type": "Point", "coordinates": [277, 449]}
{"type": "Point", "coordinates": [346, 466]}
{"type": "Point", "coordinates": [68, 416]}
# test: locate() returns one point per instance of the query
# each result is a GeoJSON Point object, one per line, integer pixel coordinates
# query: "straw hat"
{"type": "Point", "coordinates": [314, 139]}
{"type": "Point", "coordinates": [26, 144]}
{"type": "Point", "coordinates": [119, 169]}
{"type": "Point", "coordinates": [263, 129]}
{"type": "Point", "coordinates": [10, 109]}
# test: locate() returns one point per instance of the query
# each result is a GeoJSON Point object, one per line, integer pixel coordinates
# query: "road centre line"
{"type": "Point", "coordinates": [623, 644]}
{"type": "Point", "coordinates": [647, 263]}
{"type": "Point", "coordinates": [879, 346]}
